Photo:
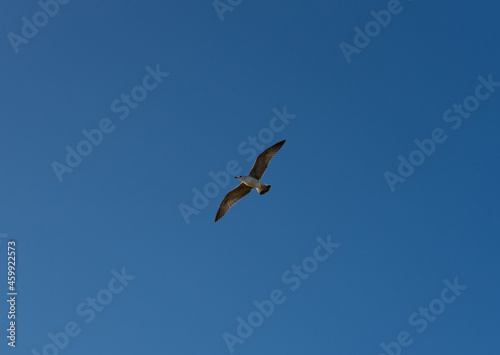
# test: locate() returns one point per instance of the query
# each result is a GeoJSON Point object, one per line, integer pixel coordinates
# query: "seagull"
{"type": "Point", "coordinates": [252, 180]}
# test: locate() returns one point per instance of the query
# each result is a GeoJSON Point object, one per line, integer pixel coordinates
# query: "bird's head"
{"type": "Point", "coordinates": [239, 178]}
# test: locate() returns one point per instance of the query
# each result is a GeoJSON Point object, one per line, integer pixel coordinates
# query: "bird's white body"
{"type": "Point", "coordinates": [254, 183]}
{"type": "Point", "coordinates": [251, 181]}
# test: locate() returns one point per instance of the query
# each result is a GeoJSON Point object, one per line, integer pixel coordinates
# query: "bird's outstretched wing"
{"type": "Point", "coordinates": [231, 198]}
{"type": "Point", "coordinates": [262, 161]}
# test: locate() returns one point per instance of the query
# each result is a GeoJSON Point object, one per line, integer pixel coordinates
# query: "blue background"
{"type": "Point", "coordinates": [121, 206]}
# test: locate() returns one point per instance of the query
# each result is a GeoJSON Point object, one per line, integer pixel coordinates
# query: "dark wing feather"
{"type": "Point", "coordinates": [231, 198]}
{"type": "Point", "coordinates": [262, 161]}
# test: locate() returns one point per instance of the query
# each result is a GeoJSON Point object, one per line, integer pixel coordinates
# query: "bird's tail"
{"type": "Point", "coordinates": [262, 190]}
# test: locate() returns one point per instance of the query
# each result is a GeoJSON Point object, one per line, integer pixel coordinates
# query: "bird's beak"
{"type": "Point", "coordinates": [235, 177]}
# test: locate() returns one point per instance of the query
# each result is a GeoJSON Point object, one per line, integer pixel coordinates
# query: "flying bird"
{"type": "Point", "coordinates": [252, 180]}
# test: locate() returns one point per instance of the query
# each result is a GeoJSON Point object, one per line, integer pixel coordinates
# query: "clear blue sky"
{"type": "Point", "coordinates": [415, 225]}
